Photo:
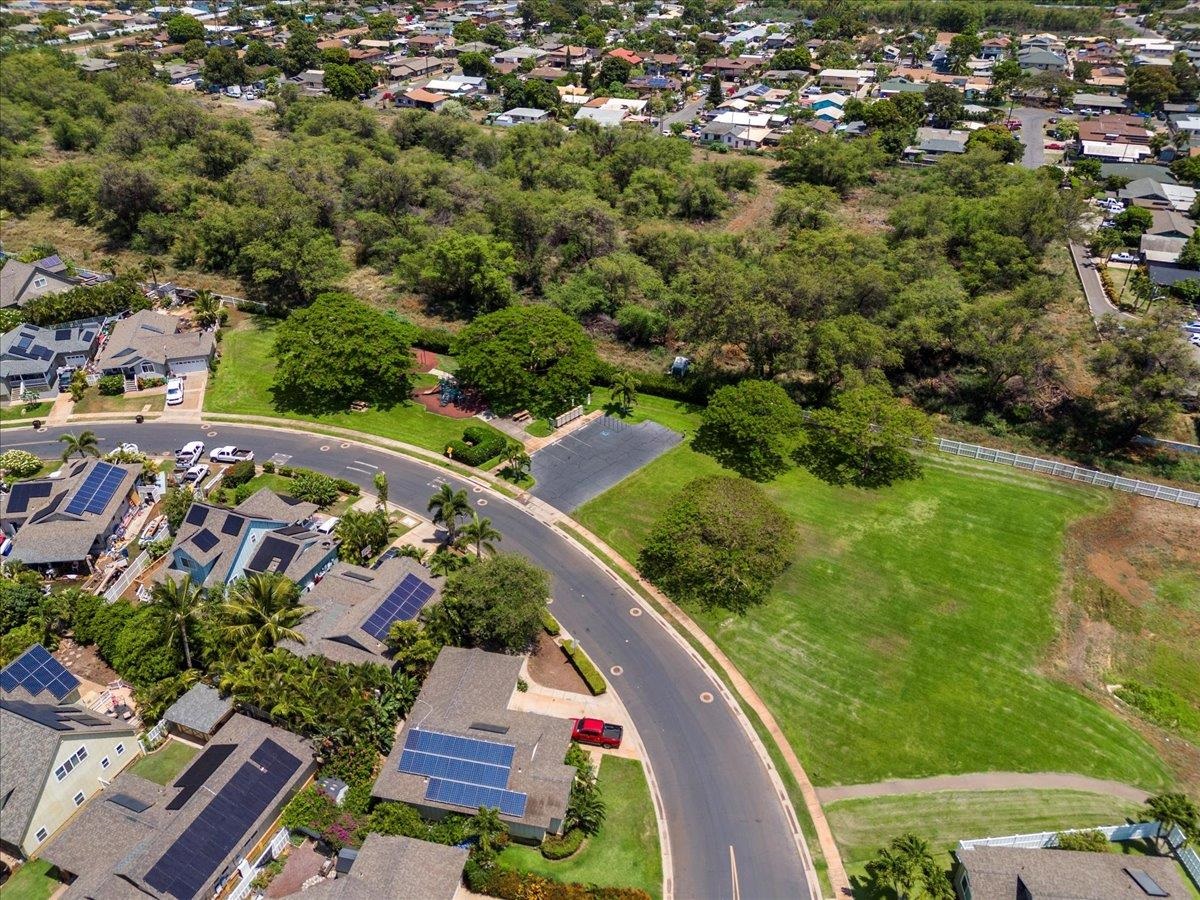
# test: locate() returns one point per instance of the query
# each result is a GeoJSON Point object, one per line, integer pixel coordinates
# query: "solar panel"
{"type": "Point", "coordinates": [233, 525]}
{"type": "Point", "coordinates": [97, 489]}
{"type": "Point", "coordinates": [473, 749]}
{"type": "Point", "coordinates": [62, 334]}
{"type": "Point", "coordinates": [205, 539]}
{"type": "Point", "coordinates": [474, 796]}
{"type": "Point", "coordinates": [196, 514]}
{"type": "Point", "coordinates": [415, 762]}
{"type": "Point", "coordinates": [199, 772]}
{"type": "Point", "coordinates": [1148, 885]}
{"type": "Point", "coordinates": [24, 491]}
{"type": "Point", "coordinates": [196, 855]}
{"type": "Point", "coordinates": [274, 555]}
{"type": "Point", "coordinates": [402, 604]}
{"type": "Point", "coordinates": [41, 713]}
{"type": "Point", "coordinates": [36, 670]}
{"type": "Point", "coordinates": [133, 804]}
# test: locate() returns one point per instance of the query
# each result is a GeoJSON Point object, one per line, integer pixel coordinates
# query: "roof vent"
{"type": "Point", "coordinates": [488, 726]}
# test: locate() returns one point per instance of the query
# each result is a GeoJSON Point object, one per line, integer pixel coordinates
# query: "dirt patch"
{"type": "Point", "coordinates": [757, 210]}
{"type": "Point", "coordinates": [85, 662]}
{"type": "Point", "coordinates": [425, 360]}
{"type": "Point", "coordinates": [303, 863]}
{"type": "Point", "coordinates": [549, 667]}
{"type": "Point", "coordinates": [430, 399]}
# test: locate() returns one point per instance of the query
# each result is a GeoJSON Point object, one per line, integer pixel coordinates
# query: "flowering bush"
{"type": "Point", "coordinates": [19, 463]}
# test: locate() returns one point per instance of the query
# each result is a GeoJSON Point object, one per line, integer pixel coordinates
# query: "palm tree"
{"type": "Point", "coordinates": [109, 265]}
{"type": "Point", "coordinates": [892, 869]}
{"type": "Point", "coordinates": [586, 810]}
{"type": "Point", "coordinates": [83, 444]}
{"type": "Point", "coordinates": [479, 531]}
{"type": "Point", "coordinates": [443, 562]}
{"type": "Point", "coordinates": [50, 615]}
{"type": "Point", "coordinates": [355, 531]}
{"type": "Point", "coordinates": [261, 611]}
{"type": "Point", "coordinates": [1172, 811]}
{"type": "Point", "coordinates": [412, 551]}
{"type": "Point", "coordinates": [381, 488]}
{"type": "Point", "coordinates": [206, 308]}
{"type": "Point", "coordinates": [448, 506]}
{"type": "Point", "coordinates": [487, 826]}
{"type": "Point", "coordinates": [518, 462]}
{"type": "Point", "coordinates": [624, 391]}
{"type": "Point", "coordinates": [178, 604]}
{"type": "Point", "coordinates": [151, 268]}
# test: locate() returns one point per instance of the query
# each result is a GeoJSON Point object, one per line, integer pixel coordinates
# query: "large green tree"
{"type": "Point", "coordinates": [337, 351]}
{"type": "Point", "coordinates": [751, 427]}
{"type": "Point", "coordinates": [1149, 87]}
{"type": "Point", "coordinates": [526, 357]}
{"type": "Point", "coordinates": [495, 604]}
{"type": "Point", "coordinates": [289, 269]}
{"type": "Point", "coordinates": [184, 28]}
{"type": "Point", "coordinates": [721, 542]}
{"type": "Point", "coordinates": [466, 273]}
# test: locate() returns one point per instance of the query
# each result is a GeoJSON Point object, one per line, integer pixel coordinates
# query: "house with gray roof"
{"type": "Point", "coordinates": [21, 282]}
{"type": "Point", "coordinates": [345, 601]}
{"type": "Point", "coordinates": [467, 695]}
{"type": "Point", "coordinates": [266, 533]}
{"type": "Point", "coordinates": [150, 343]}
{"type": "Point", "coordinates": [41, 359]}
{"type": "Point", "coordinates": [66, 521]}
{"type": "Point", "coordinates": [1037, 60]}
{"type": "Point", "coordinates": [1010, 873]}
{"type": "Point", "coordinates": [198, 713]}
{"type": "Point", "coordinates": [53, 758]}
{"type": "Point", "coordinates": [208, 829]}
{"type": "Point", "coordinates": [396, 868]}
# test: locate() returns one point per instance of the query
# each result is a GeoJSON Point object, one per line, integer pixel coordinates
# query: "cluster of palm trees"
{"type": "Point", "coordinates": [449, 508]}
{"type": "Point", "coordinates": [907, 865]}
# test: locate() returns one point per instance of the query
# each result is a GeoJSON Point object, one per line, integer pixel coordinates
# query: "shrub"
{"type": "Point", "coordinates": [268, 467]}
{"type": "Point", "coordinates": [478, 445]}
{"type": "Point", "coordinates": [285, 471]}
{"type": "Point", "coordinates": [1160, 705]}
{"type": "Point", "coordinates": [509, 884]}
{"type": "Point", "coordinates": [550, 624]}
{"type": "Point", "coordinates": [522, 686]}
{"type": "Point", "coordinates": [1089, 841]}
{"type": "Point", "coordinates": [111, 385]}
{"type": "Point", "coordinates": [150, 381]}
{"type": "Point", "coordinates": [309, 809]}
{"type": "Point", "coordinates": [562, 847]}
{"type": "Point", "coordinates": [347, 487]}
{"type": "Point", "coordinates": [438, 340]}
{"type": "Point", "coordinates": [19, 463]}
{"type": "Point", "coordinates": [585, 667]}
{"type": "Point", "coordinates": [239, 473]}
{"type": "Point", "coordinates": [313, 487]}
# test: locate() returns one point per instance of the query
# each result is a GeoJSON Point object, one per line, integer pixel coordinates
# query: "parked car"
{"type": "Point", "coordinates": [1108, 223]}
{"type": "Point", "coordinates": [1054, 145]}
{"type": "Point", "coordinates": [174, 392]}
{"type": "Point", "coordinates": [127, 447]}
{"type": "Point", "coordinates": [1064, 110]}
{"type": "Point", "coordinates": [1193, 326]}
{"type": "Point", "coordinates": [1123, 258]}
{"type": "Point", "coordinates": [196, 474]}
{"type": "Point", "coordinates": [596, 732]}
{"type": "Point", "coordinates": [230, 454]}
{"type": "Point", "coordinates": [188, 454]}
{"type": "Point", "coordinates": [1194, 340]}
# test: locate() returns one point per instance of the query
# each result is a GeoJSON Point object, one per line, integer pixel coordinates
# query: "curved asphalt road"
{"type": "Point", "coordinates": [730, 834]}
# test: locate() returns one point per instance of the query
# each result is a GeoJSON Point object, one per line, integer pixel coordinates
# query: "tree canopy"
{"type": "Point", "coordinates": [495, 604]}
{"type": "Point", "coordinates": [751, 427]}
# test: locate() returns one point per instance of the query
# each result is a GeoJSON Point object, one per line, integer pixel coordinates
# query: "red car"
{"type": "Point", "coordinates": [596, 732]}
{"type": "Point", "coordinates": [1053, 145]}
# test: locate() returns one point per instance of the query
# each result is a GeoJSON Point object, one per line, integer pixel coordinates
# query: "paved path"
{"type": "Point", "coordinates": [1093, 289]}
{"type": "Point", "coordinates": [1033, 135]}
{"type": "Point", "coordinates": [731, 828]}
{"type": "Point", "coordinates": [984, 781]}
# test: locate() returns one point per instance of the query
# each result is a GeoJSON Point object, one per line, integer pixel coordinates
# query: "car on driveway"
{"type": "Point", "coordinates": [596, 732]}
{"type": "Point", "coordinates": [1123, 258]}
{"type": "Point", "coordinates": [196, 474]}
{"type": "Point", "coordinates": [174, 392]}
{"type": "Point", "coordinates": [230, 454]}
{"type": "Point", "coordinates": [1054, 145]}
{"type": "Point", "coordinates": [188, 454]}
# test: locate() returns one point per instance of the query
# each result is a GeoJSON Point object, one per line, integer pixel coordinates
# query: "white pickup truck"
{"type": "Point", "coordinates": [230, 454]}
{"type": "Point", "coordinates": [187, 455]}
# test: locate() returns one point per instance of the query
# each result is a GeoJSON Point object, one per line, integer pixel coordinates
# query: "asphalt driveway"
{"type": "Point", "coordinates": [587, 462]}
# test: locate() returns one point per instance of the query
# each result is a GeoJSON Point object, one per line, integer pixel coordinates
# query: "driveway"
{"type": "Point", "coordinates": [587, 462]}
{"type": "Point", "coordinates": [1033, 134]}
{"type": "Point", "coordinates": [194, 385]}
{"type": "Point", "coordinates": [1098, 302]}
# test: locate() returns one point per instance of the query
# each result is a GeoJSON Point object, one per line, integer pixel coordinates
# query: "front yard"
{"type": "Point", "coordinates": [20, 411]}
{"type": "Point", "coordinates": [625, 853]}
{"type": "Point", "coordinates": [95, 402]}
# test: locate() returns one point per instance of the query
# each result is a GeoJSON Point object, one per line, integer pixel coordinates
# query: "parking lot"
{"type": "Point", "coordinates": [589, 461]}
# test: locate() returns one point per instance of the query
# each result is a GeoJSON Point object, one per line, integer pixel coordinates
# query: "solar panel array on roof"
{"type": "Point", "coordinates": [62, 334]}
{"type": "Point", "coordinates": [199, 851]}
{"type": "Point", "coordinates": [474, 796]}
{"type": "Point", "coordinates": [36, 670]}
{"type": "Point", "coordinates": [133, 804]}
{"type": "Point", "coordinates": [97, 489]}
{"type": "Point", "coordinates": [233, 525]}
{"type": "Point", "coordinates": [196, 514]}
{"type": "Point", "coordinates": [205, 539]}
{"type": "Point", "coordinates": [24, 491]}
{"type": "Point", "coordinates": [402, 604]}
{"type": "Point", "coordinates": [38, 712]}
{"type": "Point", "coordinates": [199, 772]}
{"type": "Point", "coordinates": [274, 555]}
{"type": "Point", "coordinates": [463, 771]}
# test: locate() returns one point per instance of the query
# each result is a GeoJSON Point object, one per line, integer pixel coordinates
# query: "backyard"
{"type": "Point", "coordinates": [625, 853]}
{"type": "Point", "coordinates": [164, 764]}
{"type": "Point", "coordinates": [242, 385]}
{"type": "Point", "coordinates": [33, 881]}
{"type": "Point", "coordinates": [915, 617]}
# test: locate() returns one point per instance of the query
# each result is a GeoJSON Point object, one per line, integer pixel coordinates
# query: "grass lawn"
{"type": "Point", "coordinates": [905, 638]}
{"type": "Point", "coordinates": [95, 402]}
{"type": "Point", "coordinates": [242, 384]}
{"type": "Point", "coordinates": [625, 853]}
{"type": "Point", "coordinates": [164, 764]}
{"type": "Point", "coordinates": [32, 881]}
{"type": "Point", "coordinates": [676, 414]}
{"type": "Point", "coordinates": [11, 413]}
{"type": "Point", "coordinates": [539, 428]}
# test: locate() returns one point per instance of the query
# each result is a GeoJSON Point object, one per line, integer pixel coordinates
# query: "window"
{"type": "Point", "coordinates": [120, 749]}
{"type": "Point", "coordinates": [70, 763]}
{"type": "Point", "coordinates": [104, 763]}
{"type": "Point", "coordinates": [41, 835]}
{"type": "Point", "coordinates": [79, 799]}
{"type": "Point", "coordinates": [81, 753]}
{"type": "Point", "coordinates": [40, 281]}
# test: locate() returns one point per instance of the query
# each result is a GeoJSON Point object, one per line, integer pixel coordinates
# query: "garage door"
{"type": "Point", "coordinates": [181, 366]}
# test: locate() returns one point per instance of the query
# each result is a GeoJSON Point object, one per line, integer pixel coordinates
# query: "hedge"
{"type": "Point", "coordinates": [343, 486]}
{"type": "Point", "coordinates": [562, 847]}
{"type": "Point", "coordinates": [585, 667]}
{"type": "Point", "coordinates": [436, 340]}
{"type": "Point", "coordinates": [509, 884]}
{"type": "Point", "coordinates": [550, 623]}
{"type": "Point", "coordinates": [478, 445]}
{"type": "Point", "coordinates": [111, 385]}
{"type": "Point", "coordinates": [239, 473]}
{"type": "Point", "coordinates": [19, 463]}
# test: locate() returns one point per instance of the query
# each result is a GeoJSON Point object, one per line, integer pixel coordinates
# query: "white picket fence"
{"type": "Point", "coordinates": [1187, 856]}
{"type": "Point", "coordinates": [151, 738]}
{"type": "Point", "coordinates": [1070, 472]}
{"type": "Point", "coordinates": [248, 871]}
{"type": "Point", "coordinates": [132, 571]}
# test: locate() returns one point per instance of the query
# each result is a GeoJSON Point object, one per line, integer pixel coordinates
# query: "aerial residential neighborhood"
{"type": "Point", "coordinates": [600, 450]}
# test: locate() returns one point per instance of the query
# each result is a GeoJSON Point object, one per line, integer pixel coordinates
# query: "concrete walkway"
{"type": "Point", "coordinates": [984, 781]}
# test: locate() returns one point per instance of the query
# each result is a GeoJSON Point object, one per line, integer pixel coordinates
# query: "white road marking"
{"type": "Point", "coordinates": [737, 893]}
{"type": "Point", "coordinates": [367, 464]}
{"type": "Point", "coordinates": [357, 469]}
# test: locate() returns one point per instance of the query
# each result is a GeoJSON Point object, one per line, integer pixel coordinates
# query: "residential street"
{"type": "Point", "coordinates": [1033, 122]}
{"type": "Point", "coordinates": [730, 833]}
{"type": "Point", "coordinates": [684, 115]}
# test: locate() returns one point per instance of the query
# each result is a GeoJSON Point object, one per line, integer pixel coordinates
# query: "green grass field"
{"type": "Point", "coordinates": [12, 413]}
{"type": "Point", "coordinates": [242, 384]}
{"type": "Point", "coordinates": [625, 853]}
{"type": "Point", "coordinates": [33, 881]}
{"type": "Point", "coordinates": [164, 764]}
{"type": "Point", "coordinates": [905, 639]}
{"type": "Point", "coordinates": [95, 402]}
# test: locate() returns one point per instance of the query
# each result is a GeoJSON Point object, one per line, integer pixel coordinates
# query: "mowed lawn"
{"type": "Point", "coordinates": [905, 640]}
{"type": "Point", "coordinates": [33, 881]}
{"type": "Point", "coordinates": [164, 764]}
{"type": "Point", "coordinates": [242, 385]}
{"type": "Point", "coordinates": [625, 853]}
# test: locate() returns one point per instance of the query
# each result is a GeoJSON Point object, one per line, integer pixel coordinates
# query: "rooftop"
{"type": "Point", "coordinates": [999, 873]}
{"type": "Point", "coordinates": [397, 868]}
{"type": "Point", "coordinates": [153, 337]}
{"type": "Point", "coordinates": [201, 709]}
